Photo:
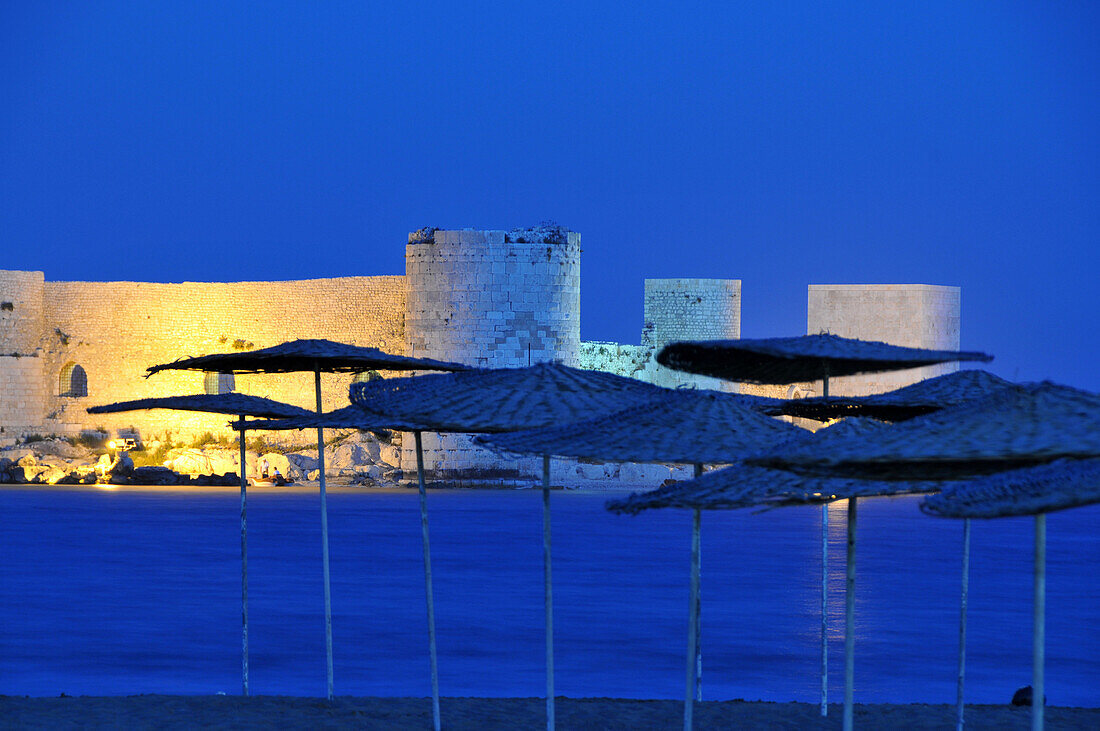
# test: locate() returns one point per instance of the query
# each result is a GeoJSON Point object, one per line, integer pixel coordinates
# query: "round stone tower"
{"type": "Point", "coordinates": [494, 299]}
{"type": "Point", "coordinates": [21, 375]}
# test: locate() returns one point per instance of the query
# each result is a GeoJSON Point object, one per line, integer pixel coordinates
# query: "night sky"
{"type": "Point", "coordinates": [783, 145]}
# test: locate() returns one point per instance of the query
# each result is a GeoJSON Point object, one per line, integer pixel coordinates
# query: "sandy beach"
{"type": "Point", "coordinates": [218, 712]}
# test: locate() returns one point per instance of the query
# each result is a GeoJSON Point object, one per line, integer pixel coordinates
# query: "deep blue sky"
{"type": "Point", "coordinates": [788, 144]}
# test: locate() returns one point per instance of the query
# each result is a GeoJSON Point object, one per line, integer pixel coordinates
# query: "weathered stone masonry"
{"type": "Point", "coordinates": [115, 330]}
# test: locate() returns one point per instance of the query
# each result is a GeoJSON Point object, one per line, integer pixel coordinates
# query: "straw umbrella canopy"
{"type": "Point", "coordinates": [931, 394]}
{"type": "Point", "coordinates": [314, 356]}
{"type": "Point", "coordinates": [800, 358]}
{"type": "Point", "coordinates": [795, 360]}
{"type": "Point", "coordinates": [911, 401]}
{"type": "Point", "coordinates": [222, 403]}
{"type": "Point", "coordinates": [306, 356]}
{"type": "Point", "coordinates": [1016, 426]}
{"type": "Point", "coordinates": [1038, 490]}
{"type": "Point", "coordinates": [500, 400]}
{"type": "Point", "coordinates": [228, 403]}
{"type": "Point", "coordinates": [676, 426]}
{"type": "Point", "coordinates": [744, 485]}
{"type": "Point", "coordinates": [673, 426]}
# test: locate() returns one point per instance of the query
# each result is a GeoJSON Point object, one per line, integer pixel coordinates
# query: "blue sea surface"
{"type": "Point", "coordinates": [137, 590]}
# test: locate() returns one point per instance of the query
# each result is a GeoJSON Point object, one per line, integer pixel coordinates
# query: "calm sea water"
{"type": "Point", "coordinates": [137, 590]}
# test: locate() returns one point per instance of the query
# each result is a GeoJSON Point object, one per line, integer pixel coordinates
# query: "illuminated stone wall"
{"type": "Point", "coordinates": [22, 389]}
{"type": "Point", "coordinates": [913, 315]}
{"type": "Point", "coordinates": [115, 330]}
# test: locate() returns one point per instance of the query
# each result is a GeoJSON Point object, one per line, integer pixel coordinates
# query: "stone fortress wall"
{"type": "Point", "coordinates": [675, 309]}
{"type": "Point", "coordinates": [22, 385]}
{"type": "Point", "coordinates": [482, 297]}
{"type": "Point", "coordinates": [114, 330]}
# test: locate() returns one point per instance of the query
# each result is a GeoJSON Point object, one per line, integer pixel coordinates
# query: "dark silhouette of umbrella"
{"type": "Point", "coordinates": [800, 358]}
{"type": "Point", "coordinates": [1034, 491]}
{"type": "Point", "coordinates": [675, 426]}
{"type": "Point", "coordinates": [794, 360]}
{"type": "Point", "coordinates": [1016, 426]}
{"type": "Point", "coordinates": [228, 403]}
{"type": "Point", "coordinates": [314, 356]}
{"type": "Point", "coordinates": [923, 397]}
{"type": "Point", "coordinates": [501, 400]}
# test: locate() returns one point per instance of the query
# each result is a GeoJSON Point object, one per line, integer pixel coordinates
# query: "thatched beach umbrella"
{"type": "Point", "coordinates": [228, 403]}
{"type": "Point", "coordinates": [1034, 491]}
{"type": "Point", "coordinates": [801, 358]}
{"type": "Point", "coordinates": [745, 485]}
{"type": "Point", "coordinates": [923, 397]}
{"type": "Point", "coordinates": [502, 400]}
{"type": "Point", "coordinates": [314, 356]}
{"type": "Point", "coordinates": [795, 360]}
{"type": "Point", "coordinates": [1017, 426]}
{"type": "Point", "coordinates": [1014, 427]}
{"type": "Point", "coordinates": [685, 426]}
{"type": "Point", "coordinates": [920, 398]}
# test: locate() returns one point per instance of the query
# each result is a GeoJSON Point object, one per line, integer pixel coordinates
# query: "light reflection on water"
{"type": "Point", "coordinates": [137, 590]}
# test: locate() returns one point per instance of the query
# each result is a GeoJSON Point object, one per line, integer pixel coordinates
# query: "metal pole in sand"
{"type": "Point", "coordinates": [1038, 640]}
{"type": "Point", "coordinates": [427, 578]}
{"type": "Point", "coordinates": [244, 564]}
{"type": "Point", "coordinates": [548, 591]}
{"type": "Point", "coordinates": [962, 622]}
{"type": "Point", "coordinates": [699, 618]}
{"type": "Point", "coordinates": [324, 528]}
{"type": "Point", "coordinates": [825, 587]}
{"type": "Point", "coordinates": [849, 617]}
{"type": "Point", "coordinates": [693, 617]}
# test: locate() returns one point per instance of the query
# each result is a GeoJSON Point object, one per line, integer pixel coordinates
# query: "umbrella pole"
{"type": "Point", "coordinates": [825, 588]}
{"type": "Point", "coordinates": [1038, 641]}
{"type": "Point", "coordinates": [962, 621]}
{"type": "Point", "coordinates": [244, 564]}
{"type": "Point", "coordinates": [427, 578]}
{"type": "Point", "coordinates": [699, 619]}
{"type": "Point", "coordinates": [324, 530]}
{"type": "Point", "coordinates": [693, 619]}
{"type": "Point", "coordinates": [548, 591]}
{"type": "Point", "coordinates": [825, 609]}
{"type": "Point", "coordinates": [849, 618]}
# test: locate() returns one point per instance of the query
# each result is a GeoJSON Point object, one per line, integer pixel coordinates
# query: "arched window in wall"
{"type": "Point", "coordinates": [72, 381]}
{"type": "Point", "coordinates": [215, 383]}
{"type": "Point", "coordinates": [800, 390]}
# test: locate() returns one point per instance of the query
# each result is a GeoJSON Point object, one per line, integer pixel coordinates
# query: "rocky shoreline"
{"type": "Point", "coordinates": [353, 459]}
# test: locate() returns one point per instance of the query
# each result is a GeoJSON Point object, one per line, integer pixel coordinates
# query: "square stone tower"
{"type": "Point", "coordinates": [912, 315]}
{"type": "Point", "coordinates": [689, 309]}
